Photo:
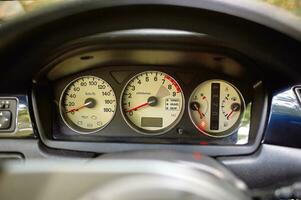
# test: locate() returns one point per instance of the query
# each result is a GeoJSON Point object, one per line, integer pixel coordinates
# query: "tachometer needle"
{"type": "Point", "coordinates": [77, 109]}
{"type": "Point", "coordinates": [151, 101]}
{"type": "Point", "coordinates": [137, 107]}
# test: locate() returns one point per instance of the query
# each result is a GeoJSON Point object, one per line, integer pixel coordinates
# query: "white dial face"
{"type": "Point", "coordinates": [215, 108]}
{"type": "Point", "coordinates": [87, 104]}
{"type": "Point", "coordinates": [152, 102]}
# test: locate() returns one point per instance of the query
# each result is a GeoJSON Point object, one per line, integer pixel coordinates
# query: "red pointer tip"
{"type": "Point", "coordinates": [200, 113]}
{"type": "Point", "coordinates": [137, 107]}
{"type": "Point", "coordinates": [228, 116]}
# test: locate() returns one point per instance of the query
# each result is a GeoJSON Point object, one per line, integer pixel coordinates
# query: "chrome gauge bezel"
{"type": "Point", "coordinates": [62, 115]}
{"type": "Point", "coordinates": [234, 127]}
{"type": "Point", "coordinates": [146, 132]}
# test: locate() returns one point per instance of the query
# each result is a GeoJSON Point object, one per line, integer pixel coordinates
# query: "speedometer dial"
{"type": "Point", "coordinates": [216, 107]}
{"type": "Point", "coordinates": [152, 102]}
{"type": "Point", "coordinates": [87, 104]}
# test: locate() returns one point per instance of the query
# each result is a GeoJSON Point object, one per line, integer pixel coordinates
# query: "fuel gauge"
{"type": "Point", "coordinates": [216, 108]}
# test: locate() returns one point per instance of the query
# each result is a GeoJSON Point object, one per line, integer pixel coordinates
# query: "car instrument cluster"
{"type": "Point", "coordinates": [151, 103]}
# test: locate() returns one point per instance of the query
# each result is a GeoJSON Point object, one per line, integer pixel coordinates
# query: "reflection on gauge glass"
{"type": "Point", "coordinates": [87, 104]}
{"type": "Point", "coordinates": [152, 102]}
{"type": "Point", "coordinates": [216, 108]}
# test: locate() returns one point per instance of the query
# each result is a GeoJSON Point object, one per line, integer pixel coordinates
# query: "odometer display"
{"type": "Point", "coordinates": [87, 104]}
{"type": "Point", "coordinates": [152, 102]}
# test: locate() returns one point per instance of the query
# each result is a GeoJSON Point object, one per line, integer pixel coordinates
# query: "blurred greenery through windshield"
{"type": "Point", "coordinates": [293, 6]}
{"type": "Point", "coordinates": [10, 9]}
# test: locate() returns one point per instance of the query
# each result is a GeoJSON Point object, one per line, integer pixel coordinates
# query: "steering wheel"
{"type": "Point", "coordinates": [28, 43]}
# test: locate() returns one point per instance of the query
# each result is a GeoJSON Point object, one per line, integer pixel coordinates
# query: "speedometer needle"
{"type": "Point", "coordinates": [77, 109]}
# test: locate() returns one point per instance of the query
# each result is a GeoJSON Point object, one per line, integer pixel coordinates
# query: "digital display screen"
{"type": "Point", "coordinates": [151, 122]}
{"type": "Point", "coordinates": [214, 115]}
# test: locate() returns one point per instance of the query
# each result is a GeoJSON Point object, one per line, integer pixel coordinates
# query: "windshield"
{"type": "Point", "coordinates": [11, 9]}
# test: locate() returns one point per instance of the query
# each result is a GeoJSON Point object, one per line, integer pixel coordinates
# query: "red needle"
{"type": "Point", "coordinates": [228, 116]}
{"type": "Point", "coordinates": [198, 109]}
{"type": "Point", "coordinates": [137, 107]}
{"type": "Point", "coordinates": [77, 109]}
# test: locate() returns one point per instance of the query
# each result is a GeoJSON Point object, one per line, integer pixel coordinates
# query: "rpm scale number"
{"type": "Point", "coordinates": [87, 104]}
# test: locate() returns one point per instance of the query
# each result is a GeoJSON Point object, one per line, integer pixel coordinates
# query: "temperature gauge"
{"type": "Point", "coordinates": [216, 108]}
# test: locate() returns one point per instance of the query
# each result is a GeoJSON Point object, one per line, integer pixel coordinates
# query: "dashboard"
{"type": "Point", "coordinates": [212, 81]}
{"type": "Point", "coordinates": [147, 95]}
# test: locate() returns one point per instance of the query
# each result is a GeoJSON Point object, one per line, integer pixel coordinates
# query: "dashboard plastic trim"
{"type": "Point", "coordinates": [22, 123]}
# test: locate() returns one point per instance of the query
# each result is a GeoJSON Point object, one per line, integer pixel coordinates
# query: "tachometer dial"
{"type": "Point", "coordinates": [87, 104]}
{"type": "Point", "coordinates": [152, 102]}
{"type": "Point", "coordinates": [216, 107]}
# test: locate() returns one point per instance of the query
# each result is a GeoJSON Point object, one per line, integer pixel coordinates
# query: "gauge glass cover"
{"type": "Point", "coordinates": [87, 104]}
{"type": "Point", "coordinates": [216, 108]}
{"type": "Point", "coordinates": [152, 102]}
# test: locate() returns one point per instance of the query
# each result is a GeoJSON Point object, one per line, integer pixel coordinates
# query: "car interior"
{"type": "Point", "coordinates": [151, 100]}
